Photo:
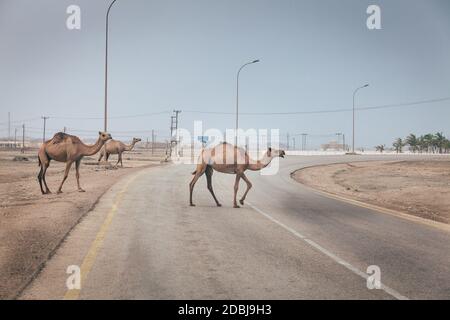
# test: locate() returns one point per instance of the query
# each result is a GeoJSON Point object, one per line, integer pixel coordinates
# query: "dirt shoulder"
{"type": "Point", "coordinates": [420, 188]}
{"type": "Point", "coordinates": [32, 225]}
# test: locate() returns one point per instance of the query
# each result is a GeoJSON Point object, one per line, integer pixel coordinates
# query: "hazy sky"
{"type": "Point", "coordinates": [167, 55]}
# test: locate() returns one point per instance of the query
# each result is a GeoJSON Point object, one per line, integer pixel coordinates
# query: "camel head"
{"type": "Point", "coordinates": [104, 136]}
{"type": "Point", "coordinates": [275, 153]}
{"type": "Point", "coordinates": [136, 140]}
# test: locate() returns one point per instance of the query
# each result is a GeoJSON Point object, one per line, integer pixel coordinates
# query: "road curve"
{"type": "Point", "coordinates": [144, 241]}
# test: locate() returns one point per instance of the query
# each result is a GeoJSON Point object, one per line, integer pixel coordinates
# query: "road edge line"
{"type": "Point", "coordinates": [329, 254]}
{"type": "Point", "coordinates": [392, 212]}
{"type": "Point", "coordinates": [89, 258]}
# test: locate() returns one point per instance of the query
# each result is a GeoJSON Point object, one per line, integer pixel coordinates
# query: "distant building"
{"type": "Point", "coordinates": [10, 144]}
{"type": "Point", "coordinates": [332, 146]}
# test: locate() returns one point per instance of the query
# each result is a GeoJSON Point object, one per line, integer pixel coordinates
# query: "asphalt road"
{"type": "Point", "coordinates": [143, 240]}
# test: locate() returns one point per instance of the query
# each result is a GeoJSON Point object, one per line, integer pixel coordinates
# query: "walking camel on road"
{"type": "Point", "coordinates": [69, 149]}
{"type": "Point", "coordinates": [116, 147]}
{"type": "Point", "coordinates": [227, 158]}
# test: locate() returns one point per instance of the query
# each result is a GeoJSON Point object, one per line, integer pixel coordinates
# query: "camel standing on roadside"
{"type": "Point", "coordinates": [227, 158]}
{"type": "Point", "coordinates": [69, 149]}
{"type": "Point", "coordinates": [116, 147]}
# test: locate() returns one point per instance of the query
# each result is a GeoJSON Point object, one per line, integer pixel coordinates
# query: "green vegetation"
{"type": "Point", "coordinates": [429, 143]}
{"type": "Point", "coordinates": [380, 148]}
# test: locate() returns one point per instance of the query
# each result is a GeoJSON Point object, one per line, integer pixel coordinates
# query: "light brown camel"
{"type": "Point", "coordinates": [226, 158]}
{"type": "Point", "coordinates": [116, 147]}
{"type": "Point", "coordinates": [69, 149]}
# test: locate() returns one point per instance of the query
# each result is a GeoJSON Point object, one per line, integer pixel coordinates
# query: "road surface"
{"type": "Point", "coordinates": [144, 241]}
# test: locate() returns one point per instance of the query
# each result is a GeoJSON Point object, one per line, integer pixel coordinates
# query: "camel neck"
{"type": "Point", "coordinates": [93, 149]}
{"type": "Point", "coordinates": [260, 164]}
{"type": "Point", "coordinates": [130, 146]}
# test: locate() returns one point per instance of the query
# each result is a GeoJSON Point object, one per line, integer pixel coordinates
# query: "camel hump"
{"type": "Point", "coordinates": [59, 137]}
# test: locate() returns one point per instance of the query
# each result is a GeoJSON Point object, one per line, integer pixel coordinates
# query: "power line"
{"type": "Point", "coordinates": [385, 106]}
{"type": "Point", "coordinates": [337, 110]}
{"type": "Point", "coordinates": [116, 117]}
{"type": "Point", "coordinates": [21, 121]}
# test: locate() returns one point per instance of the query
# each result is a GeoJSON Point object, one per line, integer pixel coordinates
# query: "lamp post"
{"type": "Point", "coordinates": [354, 93]}
{"type": "Point", "coordinates": [237, 99]}
{"type": "Point", "coordinates": [106, 67]}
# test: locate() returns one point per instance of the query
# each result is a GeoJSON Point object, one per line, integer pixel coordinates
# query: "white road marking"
{"type": "Point", "coordinates": [355, 270]}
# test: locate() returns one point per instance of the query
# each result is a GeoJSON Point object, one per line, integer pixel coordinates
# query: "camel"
{"type": "Point", "coordinates": [69, 149]}
{"type": "Point", "coordinates": [116, 147]}
{"type": "Point", "coordinates": [227, 158]}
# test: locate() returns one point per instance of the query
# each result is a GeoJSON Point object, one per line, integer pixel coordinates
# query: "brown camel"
{"type": "Point", "coordinates": [69, 149]}
{"type": "Point", "coordinates": [226, 158]}
{"type": "Point", "coordinates": [116, 147]}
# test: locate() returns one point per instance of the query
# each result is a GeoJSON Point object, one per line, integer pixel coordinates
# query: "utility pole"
{"type": "Point", "coordinates": [153, 142]}
{"type": "Point", "coordinates": [106, 67]}
{"type": "Point", "coordinates": [287, 141]}
{"type": "Point", "coordinates": [23, 138]}
{"type": "Point", "coordinates": [65, 129]}
{"type": "Point", "coordinates": [304, 141]}
{"type": "Point", "coordinates": [45, 122]}
{"type": "Point", "coordinates": [174, 128]}
{"type": "Point", "coordinates": [293, 143]}
{"type": "Point", "coordinates": [9, 126]}
{"type": "Point", "coordinates": [15, 138]}
{"type": "Point", "coordinates": [339, 139]}
{"type": "Point", "coordinates": [343, 143]}
{"type": "Point", "coordinates": [353, 135]}
{"type": "Point", "coordinates": [237, 100]}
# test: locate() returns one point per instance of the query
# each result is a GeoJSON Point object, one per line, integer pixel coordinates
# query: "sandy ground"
{"type": "Point", "coordinates": [420, 188]}
{"type": "Point", "coordinates": [32, 225]}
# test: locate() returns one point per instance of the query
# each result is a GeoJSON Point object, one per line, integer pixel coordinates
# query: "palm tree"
{"type": "Point", "coordinates": [398, 145]}
{"type": "Point", "coordinates": [412, 142]}
{"type": "Point", "coordinates": [447, 146]}
{"type": "Point", "coordinates": [439, 141]}
{"type": "Point", "coordinates": [426, 143]}
{"type": "Point", "coordinates": [380, 148]}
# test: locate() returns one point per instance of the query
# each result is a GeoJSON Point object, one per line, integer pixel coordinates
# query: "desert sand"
{"type": "Point", "coordinates": [420, 188]}
{"type": "Point", "coordinates": [33, 225]}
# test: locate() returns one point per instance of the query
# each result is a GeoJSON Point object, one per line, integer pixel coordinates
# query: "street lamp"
{"type": "Point", "coordinates": [237, 99]}
{"type": "Point", "coordinates": [354, 93]}
{"type": "Point", "coordinates": [106, 67]}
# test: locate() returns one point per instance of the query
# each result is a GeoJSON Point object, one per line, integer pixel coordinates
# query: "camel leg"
{"type": "Point", "coordinates": [119, 159]}
{"type": "Point", "coordinates": [44, 162]}
{"type": "Point", "coordinates": [107, 156]}
{"type": "Point", "coordinates": [236, 188]}
{"type": "Point", "coordinates": [66, 173]}
{"type": "Point", "coordinates": [249, 186]}
{"type": "Point", "coordinates": [40, 177]}
{"type": "Point", "coordinates": [77, 174]}
{"type": "Point", "coordinates": [209, 172]}
{"type": "Point", "coordinates": [198, 173]}
{"type": "Point", "coordinates": [47, 190]}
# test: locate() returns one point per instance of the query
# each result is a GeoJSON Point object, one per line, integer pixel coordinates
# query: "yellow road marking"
{"type": "Point", "coordinates": [89, 259]}
{"type": "Point", "coordinates": [392, 212]}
